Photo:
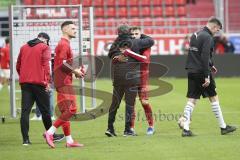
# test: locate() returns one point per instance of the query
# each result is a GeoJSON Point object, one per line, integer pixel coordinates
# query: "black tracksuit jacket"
{"type": "Point", "coordinates": [199, 58]}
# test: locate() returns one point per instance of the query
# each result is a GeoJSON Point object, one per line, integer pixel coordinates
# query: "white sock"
{"type": "Point", "coordinates": [51, 130]}
{"type": "Point", "coordinates": [1, 86]}
{"type": "Point", "coordinates": [8, 88]}
{"type": "Point", "coordinates": [69, 139]}
{"type": "Point", "coordinates": [218, 114]}
{"type": "Point", "coordinates": [187, 114]}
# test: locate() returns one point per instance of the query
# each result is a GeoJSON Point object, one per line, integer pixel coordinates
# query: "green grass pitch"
{"type": "Point", "coordinates": [165, 144]}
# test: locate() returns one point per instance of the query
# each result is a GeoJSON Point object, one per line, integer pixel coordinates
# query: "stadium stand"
{"type": "Point", "coordinates": [233, 16]}
{"type": "Point", "coordinates": [154, 16]}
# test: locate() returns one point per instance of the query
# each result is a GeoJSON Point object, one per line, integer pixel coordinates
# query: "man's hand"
{"type": "Point", "coordinates": [78, 73]}
{"type": "Point", "coordinates": [120, 58]}
{"type": "Point", "coordinates": [214, 69]}
{"type": "Point", "coordinates": [206, 83]}
{"type": "Point", "coordinates": [47, 89]}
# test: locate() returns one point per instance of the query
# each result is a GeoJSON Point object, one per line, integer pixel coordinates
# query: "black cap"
{"type": "Point", "coordinates": [45, 36]}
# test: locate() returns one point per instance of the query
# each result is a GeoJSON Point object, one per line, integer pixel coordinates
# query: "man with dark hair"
{"type": "Point", "coordinates": [143, 88]}
{"type": "Point", "coordinates": [200, 67]}
{"type": "Point", "coordinates": [34, 78]}
{"type": "Point", "coordinates": [66, 99]}
{"type": "Point", "coordinates": [125, 75]}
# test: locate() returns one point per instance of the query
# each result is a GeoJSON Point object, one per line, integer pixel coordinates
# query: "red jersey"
{"type": "Point", "coordinates": [63, 52]}
{"type": "Point", "coordinates": [33, 64]}
{"type": "Point", "coordinates": [5, 57]}
{"type": "Point", "coordinates": [144, 68]}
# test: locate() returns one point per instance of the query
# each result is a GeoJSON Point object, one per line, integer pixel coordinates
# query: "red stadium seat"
{"type": "Point", "coordinates": [134, 22]}
{"type": "Point", "coordinates": [122, 21]}
{"type": "Point", "coordinates": [98, 2]}
{"type": "Point", "coordinates": [111, 12]}
{"type": "Point", "coordinates": [157, 2]}
{"type": "Point", "coordinates": [181, 11]}
{"type": "Point", "coordinates": [148, 22]}
{"type": "Point", "coordinates": [86, 3]}
{"type": "Point", "coordinates": [157, 11]}
{"type": "Point", "coordinates": [122, 2]}
{"type": "Point", "coordinates": [158, 22]}
{"type": "Point", "coordinates": [170, 22]}
{"type": "Point", "coordinates": [159, 31]}
{"type": "Point", "coordinates": [145, 3]}
{"type": "Point", "coordinates": [99, 31]}
{"type": "Point", "coordinates": [99, 11]}
{"type": "Point", "coordinates": [133, 3]}
{"type": "Point", "coordinates": [146, 11]}
{"type": "Point", "coordinates": [134, 12]}
{"type": "Point", "coordinates": [110, 2]}
{"type": "Point", "coordinates": [62, 2]}
{"type": "Point", "coordinates": [39, 2]}
{"type": "Point", "coordinates": [147, 31]}
{"type": "Point", "coordinates": [74, 2]}
{"type": "Point", "coordinates": [169, 12]}
{"type": "Point", "coordinates": [100, 22]}
{"type": "Point", "coordinates": [172, 31]}
{"type": "Point", "coordinates": [169, 2]}
{"type": "Point", "coordinates": [183, 30]}
{"type": "Point", "coordinates": [27, 2]}
{"type": "Point", "coordinates": [181, 2]}
{"type": "Point", "coordinates": [111, 32]}
{"type": "Point", "coordinates": [110, 22]}
{"type": "Point", "coordinates": [122, 11]}
{"type": "Point", "coordinates": [51, 2]}
{"type": "Point", "coordinates": [182, 22]}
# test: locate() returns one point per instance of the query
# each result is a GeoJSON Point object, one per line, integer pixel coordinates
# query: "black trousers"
{"type": "Point", "coordinates": [34, 93]}
{"type": "Point", "coordinates": [130, 96]}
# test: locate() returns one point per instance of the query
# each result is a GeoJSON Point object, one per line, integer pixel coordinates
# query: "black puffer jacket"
{"type": "Point", "coordinates": [128, 73]}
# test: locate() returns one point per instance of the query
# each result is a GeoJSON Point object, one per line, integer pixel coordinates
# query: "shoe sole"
{"type": "Point", "coordinates": [59, 140]}
{"type": "Point", "coordinates": [109, 134]}
{"type": "Point", "coordinates": [229, 131]}
{"type": "Point", "coordinates": [47, 141]}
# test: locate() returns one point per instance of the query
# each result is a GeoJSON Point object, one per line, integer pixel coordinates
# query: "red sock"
{"type": "Point", "coordinates": [66, 128]}
{"type": "Point", "coordinates": [58, 123]}
{"type": "Point", "coordinates": [148, 113]}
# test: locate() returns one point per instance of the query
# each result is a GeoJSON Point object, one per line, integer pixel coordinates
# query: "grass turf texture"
{"type": "Point", "coordinates": [166, 143]}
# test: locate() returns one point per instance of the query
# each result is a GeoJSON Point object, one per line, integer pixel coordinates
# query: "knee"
{"type": "Point", "coordinates": [144, 102]}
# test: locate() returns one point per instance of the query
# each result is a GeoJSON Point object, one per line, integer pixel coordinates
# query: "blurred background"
{"type": "Point", "coordinates": [169, 22]}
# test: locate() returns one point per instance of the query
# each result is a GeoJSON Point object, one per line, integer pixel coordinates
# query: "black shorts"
{"type": "Point", "coordinates": [195, 88]}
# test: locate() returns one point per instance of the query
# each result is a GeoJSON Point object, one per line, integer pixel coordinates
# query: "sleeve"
{"type": "Point", "coordinates": [18, 65]}
{"type": "Point", "coordinates": [114, 51]}
{"type": "Point", "coordinates": [8, 57]}
{"type": "Point", "coordinates": [138, 57]}
{"type": "Point", "coordinates": [46, 57]}
{"type": "Point", "coordinates": [205, 55]}
{"type": "Point", "coordinates": [145, 42]}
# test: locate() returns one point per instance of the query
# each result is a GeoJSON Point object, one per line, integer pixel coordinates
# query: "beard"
{"type": "Point", "coordinates": [72, 36]}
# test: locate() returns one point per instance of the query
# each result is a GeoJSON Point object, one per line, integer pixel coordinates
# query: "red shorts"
{"type": "Point", "coordinates": [67, 104]}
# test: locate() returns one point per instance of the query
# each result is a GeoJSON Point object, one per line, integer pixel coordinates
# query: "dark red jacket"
{"type": "Point", "coordinates": [33, 63]}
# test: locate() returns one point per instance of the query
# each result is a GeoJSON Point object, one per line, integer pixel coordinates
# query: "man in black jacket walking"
{"type": "Point", "coordinates": [200, 67]}
{"type": "Point", "coordinates": [125, 76]}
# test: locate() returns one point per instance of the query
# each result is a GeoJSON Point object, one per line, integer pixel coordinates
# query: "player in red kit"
{"type": "Point", "coordinates": [5, 64]}
{"type": "Point", "coordinates": [66, 98]}
{"type": "Point", "coordinates": [143, 89]}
